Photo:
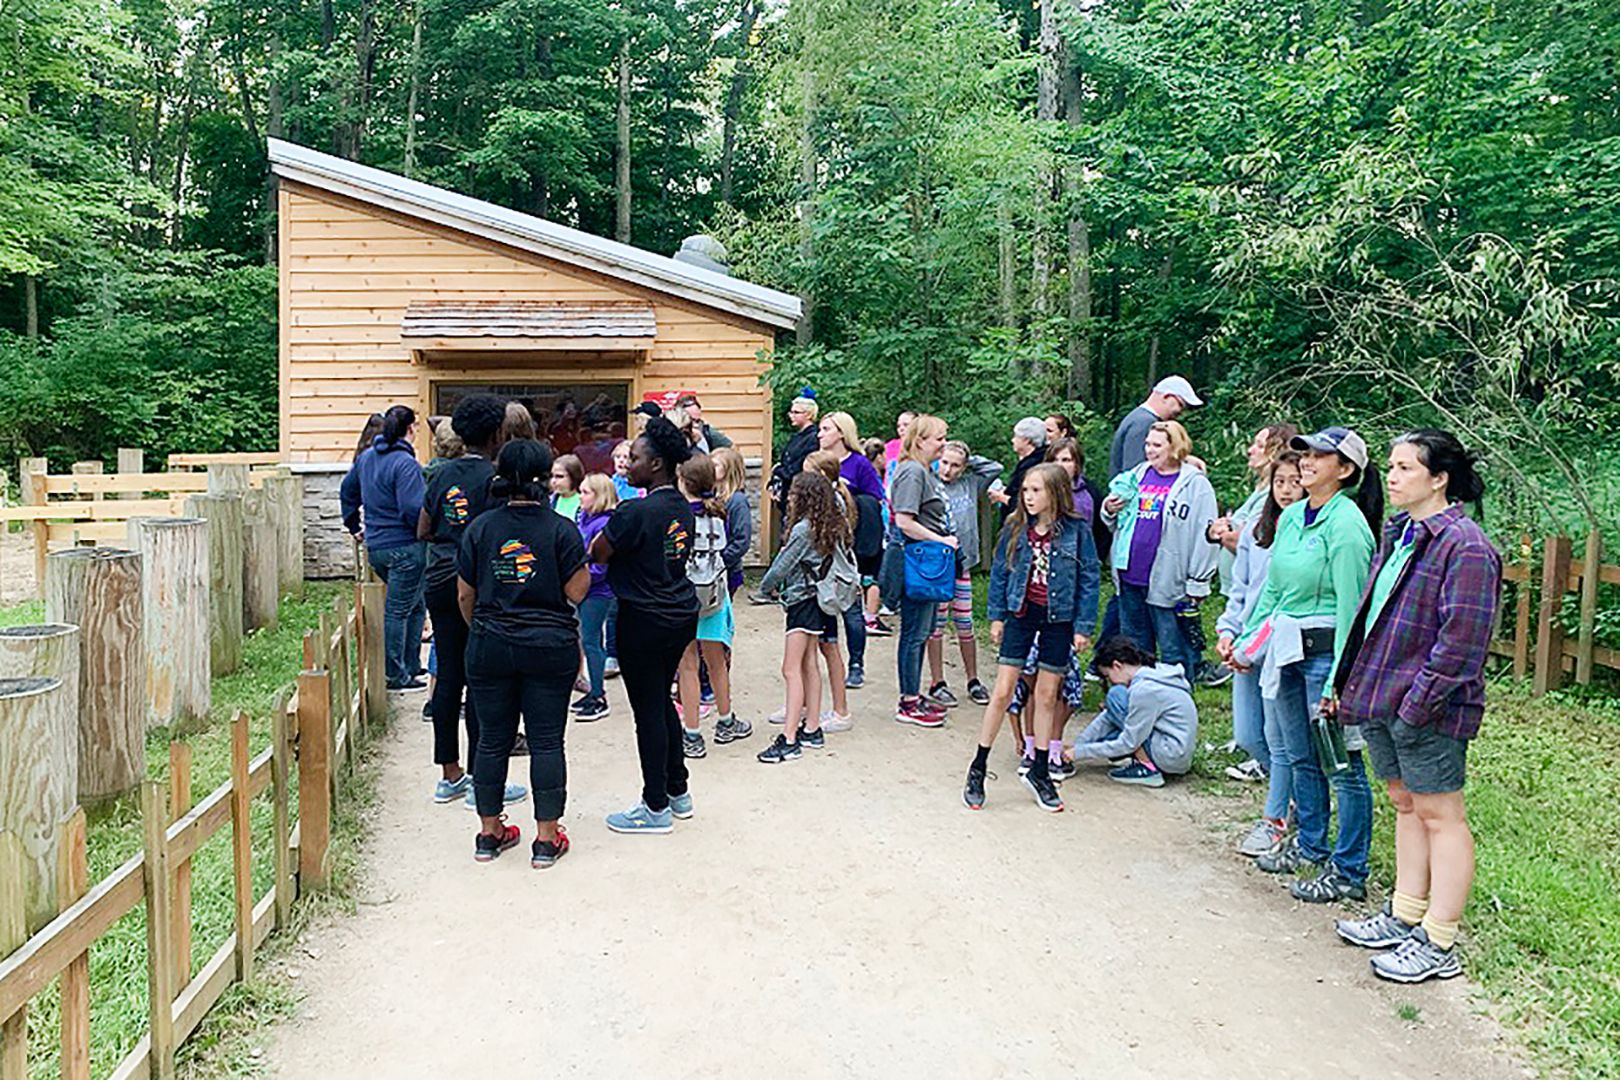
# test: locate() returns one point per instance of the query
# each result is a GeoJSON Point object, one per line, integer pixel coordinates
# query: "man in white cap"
{"type": "Point", "coordinates": [1171, 397]}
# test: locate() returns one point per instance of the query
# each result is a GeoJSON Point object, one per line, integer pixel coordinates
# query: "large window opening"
{"type": "Point", "coordinates": [587, 419]}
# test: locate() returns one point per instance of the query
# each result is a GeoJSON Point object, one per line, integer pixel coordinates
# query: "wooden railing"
{"type": "Point", "coordinates": [1551, 654]}
{"type": "Point", "coordinates": [340, 697]}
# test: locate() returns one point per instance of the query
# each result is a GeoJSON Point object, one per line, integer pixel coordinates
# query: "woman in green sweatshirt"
{"type": "Point", "coordinates": [1319, 563]}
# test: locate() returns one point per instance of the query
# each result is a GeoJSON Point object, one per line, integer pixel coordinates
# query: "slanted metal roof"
{"type": "Point", "coordinates": [534, 324]}
{"type": "Point", "coordinates": [416, 199]}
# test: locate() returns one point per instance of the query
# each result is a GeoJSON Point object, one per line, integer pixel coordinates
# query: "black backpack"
{"type": "Point", "coordinates": [868, 526]}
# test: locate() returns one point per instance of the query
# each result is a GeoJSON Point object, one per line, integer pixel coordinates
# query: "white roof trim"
{"type": "Point", "coordinates": [416, 199]}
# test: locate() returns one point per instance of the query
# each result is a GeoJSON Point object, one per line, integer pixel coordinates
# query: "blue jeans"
{"type": "Point", "coordinates": [1297, 695]}
{"type": "Point", "coordinates": [594, 613]}
{"type": "Point", "coordinates": [1154, 628]}
{"type": "Point", "coordinates": [916, 623]}
{"type": "Point", "coordinates": [855, 632]}
{"type": "Point", "coordinates": [1280, 793]}
{"type": "Point", "coordinates": [1251, 719]}
{"type": "Point", "coordinates": [404, 609]}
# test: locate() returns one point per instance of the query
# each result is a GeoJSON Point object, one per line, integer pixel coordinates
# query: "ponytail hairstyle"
{"type": "Point", "coordinates": [1369, 496]}
{"type": "Point", "coordinates": [1059, 489]}
{"type": "Point", "coordinates": [811, 498]}
{"type": "Point", "coordinates": [523, 471]}
{"type": "Point", "coordinates": [730, 472]}
{"type": "Point", "coordinates": [397, 423]}
{"type": "Point", "coordinates": [667, 443]}
{"type": "Point", "coordinates": [1265, 526]}
{"type": "Point", "coordinates": [1122, 650]}
{"type": "Point", "coordinates": [827, 464]}
{"type": "Point", "coordinates": [373, 428]}
{"type": "Point", "coordinates": [1441, 452]}
{"type": "Point", "coordinates": [446, 443]}
{"type": "Point", "coordinates": [696, 475]}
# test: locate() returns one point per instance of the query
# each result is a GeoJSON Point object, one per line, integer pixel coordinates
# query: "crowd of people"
{"type": "Point", "coordinates": [1347, 639]}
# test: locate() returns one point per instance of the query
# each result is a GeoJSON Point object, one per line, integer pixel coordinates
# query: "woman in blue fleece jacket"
{"type": "Point", "coordinates": [381, 499]}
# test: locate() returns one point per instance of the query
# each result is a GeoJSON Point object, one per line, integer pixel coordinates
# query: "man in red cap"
{"type": "Point", "coordinates": [709, 439]}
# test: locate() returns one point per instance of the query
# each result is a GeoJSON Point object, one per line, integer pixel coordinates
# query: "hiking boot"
{"type": "Point", "coordinates": [941, 695]}
{"type": "Point", "coordinates": [1328, 887]}
{"type": "Point", "coordinates": [692, 744]}
{"type": "Point", "coordinates": [1045, 792]}
{"type": "Point", "coordinates": [639, 819]}
{"type": "Point", "coordinates": [973, 790]}
{"type": "Point", "coordinates": [1417, 959]}
{"type": "Point", "coordinates": [488, 848]}
{"type": "Point", "coordinates": [779, 751]}
{"type": "Point", "coordinates": [730, 729]}
{"type": "Point", "coordinates": [681, 805]}
{"type": "Point", "coordinates": [1261, 839]}
{"type": "Point", "coordinates": [1059, 771]}
{"type": "Point", "coordinates": [512, 793]}
{"type": "Point", "coordinates": [1251, 772]}
{"type": "Point", "coordinates": [1285, 858]}
{"type": "Point", "coordinates": [545, 853]}
{"type": "Point", "coordinates": [1140, 773]}
{"type": "Point", "coordinates": [978, 692]}
{"type": "Point", "coordinates": [812, 740]}
{"type": "Point", "coordinates": [1381, 930]}
{"type": "Point", "coordinates": [916, 711]}
{"type": "Point", "coordinates": [835, 722]}
{"type": "Point", "coordinates": [591, 708]}
{"type": "Point", "coordinates": [856, 678]}
{"type": "Point", "coordinates": [446, 791]}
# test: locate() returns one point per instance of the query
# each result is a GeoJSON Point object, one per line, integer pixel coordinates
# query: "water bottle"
{"type": "Point", "coordinates": [1330, 748]}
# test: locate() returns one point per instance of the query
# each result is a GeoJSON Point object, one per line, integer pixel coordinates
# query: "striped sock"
{"type": "Point", "coordinates": [1442, 934]}
{"type": "Point", "coordinates": [1409, 909]}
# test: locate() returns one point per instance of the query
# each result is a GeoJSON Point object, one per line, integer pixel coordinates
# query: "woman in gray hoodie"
{"type": "Point", "coordinates": [1149, 717]}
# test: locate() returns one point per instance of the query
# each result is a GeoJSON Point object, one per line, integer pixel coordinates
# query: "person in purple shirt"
{"type": "Point", "coordinates": [838, 435]}
{"type": "Point", "coordinates": [1412, 678]}
{"type": "Point", "coordinates": [597, 500]}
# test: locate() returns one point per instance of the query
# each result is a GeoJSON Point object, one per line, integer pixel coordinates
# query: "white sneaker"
{"type": "Point", "coordinates": [1250, 771]}
{"type": "Point", "coordinates": [832, 721]}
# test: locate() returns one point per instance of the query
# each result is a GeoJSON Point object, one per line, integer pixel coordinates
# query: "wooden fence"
{"type": "Point", "coordinates": [341, 696]}
{"type": "Point", "coordinates": [1551, 654]}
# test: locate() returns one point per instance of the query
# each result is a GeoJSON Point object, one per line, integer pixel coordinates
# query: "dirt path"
{"type": "Point", "coordinates": [844, 916]}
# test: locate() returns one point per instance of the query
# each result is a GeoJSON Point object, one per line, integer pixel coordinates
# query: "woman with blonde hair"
{"type": "Point", "coordinates": [597, 500]}
{"type": "Point", "coordinates": [730, 486]}
{"type": "Point", "coordinates": [921, 516]}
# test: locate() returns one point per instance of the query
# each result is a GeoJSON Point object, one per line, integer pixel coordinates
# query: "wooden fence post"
{"type": "Point", "coordinates": [174, 607]}
{"type": "Point", "coordinates": [1521, 613]}
{"type": "Point", "coordinates": [34, 495]}
{"type": "Point", "coordinates": [281, 797]}
{"type": "Point", "coordinates": [90, 468]}
{"type": "Point", "coordinates": [159, 929]}
{"type": "Point", "coordinates": [1591, 577]}
{"type": "Point", "coordinates": [242, 846]}
{"type": "Point", "coordinates": [179, 807]}
{"type": "Point", "coordinates": [314, 777]}
{"type": "Point", "coordinates": [373, 658]}
{"type": "Point", "coordinates": [72, 881]}
{"type": "Point", "coordinates": [1550, 628]}
{"type": "Point", "coordinates": [130, 461]}
{"type": "Point", "coordinates": [13, 933]}
{"type": "Point", "coordinates": [224, 515]}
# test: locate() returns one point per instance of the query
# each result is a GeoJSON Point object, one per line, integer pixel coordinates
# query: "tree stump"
{"type": "Point", "coordinates": [175, 618]}
{"type": "Point", "coordinates": [224, 516]}
{"type": "Point", "coordinates": [37, 739]}
{"type": "Point", "coordinates": [284, 499]}
{"type": "Point", "coordinates": [261, 583]}
{"type": "Point", "coordinates": [100, 591]}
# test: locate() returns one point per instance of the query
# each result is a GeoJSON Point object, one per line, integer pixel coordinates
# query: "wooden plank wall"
{"type": "Point", "coordinates": [348, 271]}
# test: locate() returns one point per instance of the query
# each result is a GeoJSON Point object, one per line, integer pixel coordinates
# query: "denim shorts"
{"type": "Point", "coordinates": [1020, 632]}
{"type": "Point", "coordinates": [1425, 759]}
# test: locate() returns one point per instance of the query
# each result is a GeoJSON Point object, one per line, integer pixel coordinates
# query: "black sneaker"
{"type": "Point", "coordinates": [692, 744]}
{"type": "Point", "coordinates": [941, 695]}
{"type": "Point", "coordinates": [1059, 771]}
{"type": "Point", "coordinates": [1045, 792]}
{"type": "Point", "coordinates": [813, 740]}
{"type": "Point", "coordinates": [1285, 858]}
{"type": "Point", "coordinates": [1214, 675]}
{"type": "Point", "coordinates": [856, 678]}
{"type": "Point", "coordinates": [973, 790]}
{"type": "Point", "coordinates": [427, 709]}
{"type": "Point", "coordinates": [584, 700]}
{"type": "Point", "coordinates": [594, 708]}
{"type": "Point", "coordinates": [978, 692]}
{"type": "Point", "coordinates": [779, 751]}
{"type": "Point", "coordinates": [1329, 887]}
{"type": "Point", "coordinates": [544, 854]}
{"type": "Point", "coordinates": [488, 848]}
{"type": "Point", "coordinates": [520, 745]}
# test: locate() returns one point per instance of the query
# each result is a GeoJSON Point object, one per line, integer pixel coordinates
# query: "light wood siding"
{"type": "Point", "coordinates": [348, 272]}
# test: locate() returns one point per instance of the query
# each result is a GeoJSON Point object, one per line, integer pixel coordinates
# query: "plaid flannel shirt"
{"type": "Point", "coordinates": [1423, 659]}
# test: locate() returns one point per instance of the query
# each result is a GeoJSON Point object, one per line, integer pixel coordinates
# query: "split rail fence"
{"type": "Point", "coordinates": [340, 699]}
{"type": "Point", "coordinates": [1533, 633]}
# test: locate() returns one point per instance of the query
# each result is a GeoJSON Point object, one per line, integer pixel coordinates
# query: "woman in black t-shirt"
{"type": "Point", "coordinates": [645, 548]}
{"type": "Point", "coordinates": [522, 570]}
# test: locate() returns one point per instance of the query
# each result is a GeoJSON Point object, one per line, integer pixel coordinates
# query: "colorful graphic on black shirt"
{"type": "Point", "coordinates": [515, 563]}
{"type": "Point", "coordinates": [456, 506]}
{"type": "Point", "coordinates": [676, 541]}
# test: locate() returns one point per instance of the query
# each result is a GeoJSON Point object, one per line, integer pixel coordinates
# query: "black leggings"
{"type": "Point", "coordinates": [649, 653]}
{"type": "Point", "coordinates": [450, 646]}
{"type": "Point", "coordinates": [507, 680]}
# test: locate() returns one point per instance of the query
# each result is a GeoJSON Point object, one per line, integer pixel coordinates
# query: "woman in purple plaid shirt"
{"type": "Point", "coordinates": [1412, 677]}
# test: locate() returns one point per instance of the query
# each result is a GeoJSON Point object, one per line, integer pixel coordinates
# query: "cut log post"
{"type": "Point", "coordinates": [48, 651]}
{"type": "Point", "coordinates": [101, 591]}
{"type": "Point", "coordinates": [131, 461]}
{"type": "Point", "coordinates": [175, 592]}
{"type": "Point", "coordinates": [37, 734]}
{"type": "Point", "coordinates": [261, 584]}
{"type": "Point", "coordinates": [224, 516]}
{"type": "Point", "coordinates": [284, 494]}
{"type": "Point", "coordinates": [227, 479]}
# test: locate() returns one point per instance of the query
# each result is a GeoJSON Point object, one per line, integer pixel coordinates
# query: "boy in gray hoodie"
{"type": "Point", "coordinates": [1149, 717]}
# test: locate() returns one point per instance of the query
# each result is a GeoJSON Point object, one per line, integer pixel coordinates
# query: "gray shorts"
{"type": "Point", "coordinates": [1425, 759]}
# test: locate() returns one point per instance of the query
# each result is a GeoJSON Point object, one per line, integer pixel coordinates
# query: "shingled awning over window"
{"type": "Point", "coordinates": [459, 325]}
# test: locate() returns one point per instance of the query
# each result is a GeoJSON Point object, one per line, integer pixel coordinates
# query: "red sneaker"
{"type": "Point", "coordinates": [919, 712]}
{"type": "Point", "coordinates": [488, 848]}
{"type": "Point", "coordinates": [545, 854]}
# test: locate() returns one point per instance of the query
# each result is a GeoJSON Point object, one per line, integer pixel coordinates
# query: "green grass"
{"type": "Point", "coordinates": [23, 614]}
{"type": "Point", "coordinates": [224, 1044]}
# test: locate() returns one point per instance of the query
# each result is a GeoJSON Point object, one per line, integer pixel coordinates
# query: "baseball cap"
{"type": "Point", "coordinates": [1334, 440]}
{"type": "Point", "coordinates": [684, 396]}
{"type": "Point", "coordinates": [1176, 386]}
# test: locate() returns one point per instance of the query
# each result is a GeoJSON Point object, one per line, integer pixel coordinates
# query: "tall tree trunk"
{"type": "Point", "coordinates": [1079, 244]}
{"type": "Point", "coordinates": [807, 201]}
{"type": "Point", "coordinates": [1160, 277]}
{"type": "Point", "coordinates": [1046, 105]}
{"type": "Point", "coordinates": [365, 63]}
{"type": "Point", "coordinates": [1007, 268]}
{"type": "Point", "coordinates": [734, 97]}
{"type": "Point", "coordinates": [273, 128]}
{"type": "Point", "coordinates": [31, 305]}
{"type": "Point", "coordinates": [621, 164]}
{"type": "Point", "coordinates": [416, 81]}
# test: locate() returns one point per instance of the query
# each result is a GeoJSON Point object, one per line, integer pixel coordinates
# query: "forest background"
{"type": "Point", "coordinates": [1335, 211]}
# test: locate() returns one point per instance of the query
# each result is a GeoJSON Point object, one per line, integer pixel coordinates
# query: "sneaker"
{"type": "Point", "coordinates": [1091, 676]}
{"type": "Point", "coordinates": [1328, 887]}
{"type": "Point", "coordinates": [488, 848]}
{"type": "Point", "coordinates": [941, 695]}
{"type": "Point", "coordinates": [692, 743]}
{"type": "Point", "coordinates": [1214, 675]}
{"type": "Point", "coordinates": [514, 793]}
{"type": "Point", "coordinates": [639, 819]}
{"type": "Point", "coordinates": [591, 709]}
{"type": "Point", "coordinates": [545, 853]}
{"type": "Point", "coordinates": [779, 751]}
{"type": "Point", "coordinates": [413, 683]}
{"type": "Point", "coordinates": [1139, 773]}
{"type": "Point", "coordinates": [812, 740]}
{"type": "Point", "coordinates": [885, 609]}
{"type": "Point", "coordinates": [706, 697]}
{"type": "Point", "coordinates": [978, 692]}
{"type": "Point", "coordinates": [856, 678]}
{"type": "Point", "coordinates": [1416, 959]}
{"type": "Point", "coordinates": [706, 710]}
{"type": "Point", "coordinates": [879, 628]}
{"type": "Point", "coordinates": [836, 722]}
{"type": "Point", "coordinates": [520, 745]}
{"type": "Point", "coordinates": [973, 790]}
{"type": "Point", "coordinates": [1026, 763]}
{"type": "Point", "coordinates": [1261, 839]}
{"type": "Point", "coordinates": [1059, 771]}
{"type": "Point", "coordinates": [1381, 930]}
{"type": "Point", "coordinates": [427, 709]}
{"type": "Point", "coordinates": [1250, 771]}
{"type": "Point", "coordinates": [730, 729]}
{"type": "Point", "coordinates": [916, 711]}
{"type": "Point", "coordinates": [681, 805]}
{"type": "Point", "coordinates": [446, 791]}
{"type": "Point", "coordinates": [1285, 858]}
{"type": "Point", "coordinates": [1046, 794]}
{"type": "Point", "coordinates": [610, 669]}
